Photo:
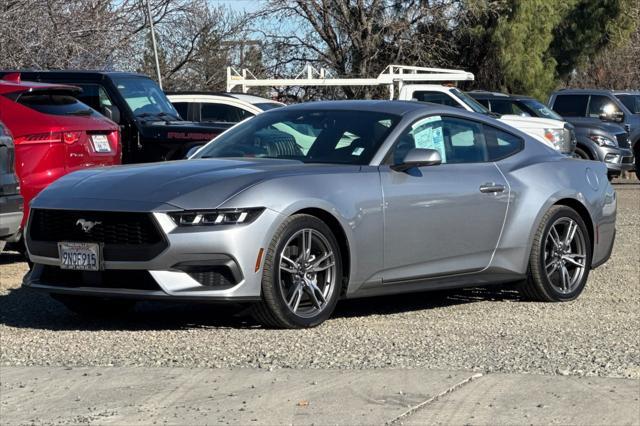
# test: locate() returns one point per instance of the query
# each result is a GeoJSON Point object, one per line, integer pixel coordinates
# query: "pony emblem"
{"type": "Point", "coordinates": [87, 225]}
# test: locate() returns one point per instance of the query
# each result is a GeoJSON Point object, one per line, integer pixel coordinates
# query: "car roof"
{"type": "Point", "coordinates": [593, 91]}
{"type": "Point", "coordinates": [385, 106]}
{"type": "Point", "coordinates": [7, 86]}
{"type": "Point", "coordinates": [485, 94]}
{"type": "Point", "coordinates": [67, 74]}
{"type": "Point", "coordinates": [626, 92]}
{"type": "Point", "coordinates": [252, 99]}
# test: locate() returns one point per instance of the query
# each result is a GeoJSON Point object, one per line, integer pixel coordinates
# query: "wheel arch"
{"type": "Point", "coordinates": [583, 212]}
{"type": "Point", "coordinates": [588, 148]}
{"type": "Point", "coordinates": [341, 236]}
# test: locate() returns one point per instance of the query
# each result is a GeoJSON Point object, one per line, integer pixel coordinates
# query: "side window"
{"type": "Point", "coordinates": [95, 96]}
{"type": "Point", "coordinates": [435, 98]}
{"type": "Point", "coordinates": [571, 105]}
{"type": "Point", "coordinates": [484, 102]}
{"type": "Point", "coordinates": [457, 140]}
{"type": "Point", "coordinates": [182, 108]}
{"type": "Point", "coordinates": [223, 113]}
{"type": "Point", "coordinates": [507, 107]}
{"type": "Point", "coordinates": [501, 144]}
{"type": "Point", "coordinates": [600, 104]}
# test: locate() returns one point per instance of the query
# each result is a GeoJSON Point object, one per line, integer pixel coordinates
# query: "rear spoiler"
{"type": "Point", "coordinates": [34, 86]}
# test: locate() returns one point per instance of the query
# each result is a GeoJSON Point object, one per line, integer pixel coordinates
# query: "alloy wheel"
{"type": "Point", "coordinates": [565, 255]}
{"type": "Point", "coordinates": [307, 272]}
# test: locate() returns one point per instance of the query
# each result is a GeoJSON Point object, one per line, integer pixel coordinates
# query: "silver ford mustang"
{"type": "Point", "coordinates": [301, 206]}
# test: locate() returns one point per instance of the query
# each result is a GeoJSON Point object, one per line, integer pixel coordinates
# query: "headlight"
{"type": "Point", "coordinates": [555, 136]}
{"type": "Point", "coordinates": [216, 217]}
{"type": "Point", "coordinates": [603, 141]}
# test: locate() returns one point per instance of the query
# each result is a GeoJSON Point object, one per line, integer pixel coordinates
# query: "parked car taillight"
{"type": "Point", "coordinates": [53, 137]}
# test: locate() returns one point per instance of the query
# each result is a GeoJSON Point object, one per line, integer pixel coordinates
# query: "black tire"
{"type": "Point", "coordinates": [537, 286]}
{"type": "Point", "coordinates": [95, 307]}
{"type": "Point", "coordinates": [273, 310]}
{"type": "Point", "coordinates": [582, 154]}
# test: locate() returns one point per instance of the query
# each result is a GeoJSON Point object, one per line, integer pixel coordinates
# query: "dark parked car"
{"type": "Point", "coordinates": [10, 199]}
{"type": "Point", "coordinates": [595, 106]}
{"type": "Point", "coordinates": [607, 142]}
{"type": "Point", "coordinates": [151, 128]}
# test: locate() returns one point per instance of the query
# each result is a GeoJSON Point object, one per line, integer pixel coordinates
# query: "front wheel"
{"type": "Point", "coordinates": [302, 275]}
{"type": "Point", "coordinates": [560, 257]}
{"type": "Point", "coordinates": [579, 153]}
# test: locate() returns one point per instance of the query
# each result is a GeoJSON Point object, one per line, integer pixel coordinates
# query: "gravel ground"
{"type": "Point", "coordinates": [487, 330]}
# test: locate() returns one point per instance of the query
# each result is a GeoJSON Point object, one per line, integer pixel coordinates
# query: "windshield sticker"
{"type": "Point", "coordinates": [359, 150]}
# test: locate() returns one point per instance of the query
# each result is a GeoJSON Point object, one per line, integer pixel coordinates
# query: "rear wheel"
{"type": "Point", "coordinates": [95, 307]}
{"type": "Point", "coordinates": [560, 257]}
{"type": "Point", "coordinates": [302, 275]}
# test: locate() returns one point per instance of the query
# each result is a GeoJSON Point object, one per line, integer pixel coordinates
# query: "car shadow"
{"type": "Point", "coordinates": [9, 258]}
{"type": "Point", "coordinates": [395, 304]}
{"type": "Point", "coordinates": [26, 308]}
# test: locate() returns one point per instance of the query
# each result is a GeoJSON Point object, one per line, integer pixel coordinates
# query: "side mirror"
{"type": "Point", "coordinates": [192, 150]}
{"type": "Point", "coordinates": [418, 157]}
{"type": "Point", "coordinates": [112, 112]}
{"type": "Point", "coordinates": [614, 116]}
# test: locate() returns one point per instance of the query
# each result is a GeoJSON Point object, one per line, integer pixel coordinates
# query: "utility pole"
{"type": "Point", "coordinates": [155, 48]}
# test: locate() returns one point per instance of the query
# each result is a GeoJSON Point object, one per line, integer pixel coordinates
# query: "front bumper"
{"type": "Point", "coordinates": [616, 159]}
{"type": "Point", "coordinates": [10, 215]}
{"type": "Point", "coordinates": [219, 263]}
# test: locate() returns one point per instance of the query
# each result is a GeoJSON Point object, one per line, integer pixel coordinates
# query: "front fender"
{"type": "Point", "coordinates": [354, 199]}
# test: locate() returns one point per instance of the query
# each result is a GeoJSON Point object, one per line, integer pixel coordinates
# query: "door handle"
{"type": "Point", "coordinates": [492, 187]}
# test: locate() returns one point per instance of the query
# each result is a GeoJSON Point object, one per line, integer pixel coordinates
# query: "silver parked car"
{"type": "Point", "coordinates": [303, 205]}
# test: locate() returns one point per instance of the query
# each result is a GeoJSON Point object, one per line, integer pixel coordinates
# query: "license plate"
{"type": "Point", "coordinates": [80, 256]}
{"type": "Point", "coordinates": [100, 143]}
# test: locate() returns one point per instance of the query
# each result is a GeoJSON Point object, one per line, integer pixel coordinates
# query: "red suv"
{"type": "Point", "coordinates": [54, 133]}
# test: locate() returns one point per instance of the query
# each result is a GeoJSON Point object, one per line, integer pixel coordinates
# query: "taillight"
{"type": "Point", "coordinates": [71, 137]}
{"type": "Point", "coordinates": [53, 137]}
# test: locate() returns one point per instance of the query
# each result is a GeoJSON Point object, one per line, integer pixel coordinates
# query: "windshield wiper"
{"type": "Point", "coordinates": [166, 114]}
{"type": "Point", "coordinates": [158, 114]}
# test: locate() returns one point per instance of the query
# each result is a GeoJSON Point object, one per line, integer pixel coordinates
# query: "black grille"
{"type": "Point", "coordinates": [220, 278]}
{"type": "Point", "coordinates": [112, 278]}
{"type": "Point", "coordinates": [110, 228]}
{"type": "Point", "coordinates": [623, 140]}
{"type": "Point", "coordinates": [126, 236]}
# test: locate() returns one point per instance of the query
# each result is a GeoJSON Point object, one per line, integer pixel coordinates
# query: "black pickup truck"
{"type": "Point", "coordinates": [151, 128]}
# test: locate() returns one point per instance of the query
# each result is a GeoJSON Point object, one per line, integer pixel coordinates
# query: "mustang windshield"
{"type": "Point", "coordinates": [145, 98]}
{"type": "Point", "coordinates": [321, 136]}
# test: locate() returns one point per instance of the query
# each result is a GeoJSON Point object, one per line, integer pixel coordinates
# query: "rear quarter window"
{"type": "Point", "coordinates": [501, 144]}
{"type": "Point", "coordinates": [54, 103]}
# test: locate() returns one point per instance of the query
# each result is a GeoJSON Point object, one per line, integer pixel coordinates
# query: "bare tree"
{"type": "Point", "coordinates": [357, 38]}
{"type": "Point", "coordinates": [112, 34]}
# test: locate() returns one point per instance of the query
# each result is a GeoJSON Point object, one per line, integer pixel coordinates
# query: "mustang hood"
{"type": "Point", "coordinates": [184, 184]}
